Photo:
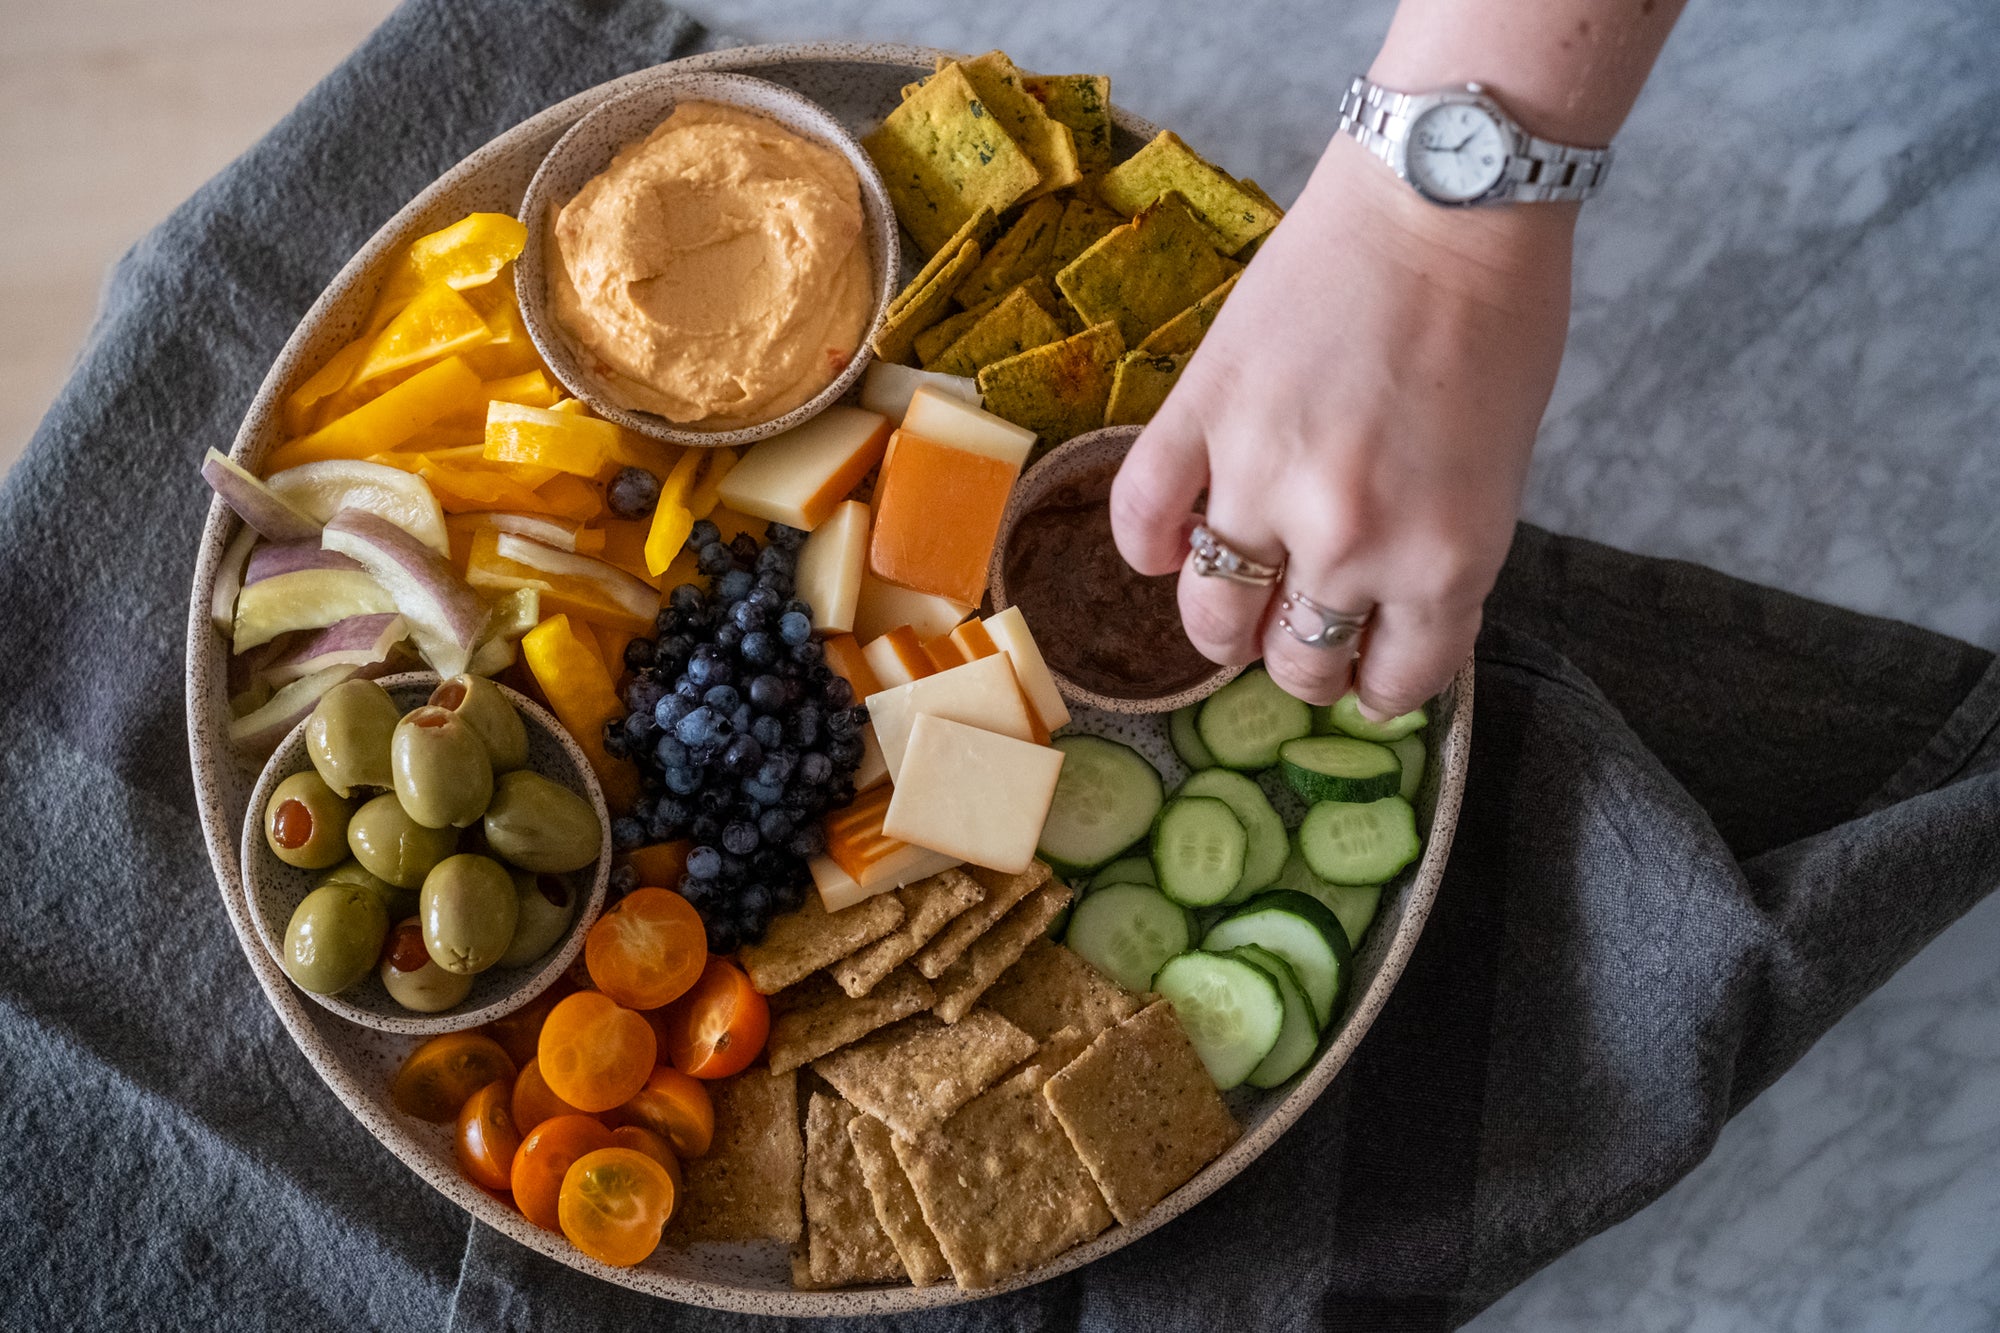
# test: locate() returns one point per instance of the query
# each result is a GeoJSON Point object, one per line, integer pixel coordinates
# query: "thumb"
{"type": "Point", "coordinates": [1152, 500]}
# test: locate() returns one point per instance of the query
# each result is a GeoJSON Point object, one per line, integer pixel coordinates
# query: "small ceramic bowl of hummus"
{"type": "Point", "coordinates": [707, 256]}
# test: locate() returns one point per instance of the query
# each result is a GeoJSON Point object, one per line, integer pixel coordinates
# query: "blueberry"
{"type": "Point", "coordinates": [734, 585]}
{"type": "Point", "coordinates": [803, 608]}
{"type": "Point", "coordinates": [670, 752]}
{"type": "Point", "coordinates": [723, 936]}
{"type": "Point", "coordinates": [807, 841]}
{"type": "Point", "coordinates": [837, 693]}
{"type": "Point", "coordinates": [722, 698]}
{"type": "Point", "coordinates": [669, 818]}
{"type": "Point", "coordinates": [775, 826]}
{"type": "Point", "coordinates": [638, 653]}
{"type": "Point", "coordinates": [672, 652]}
{"type": "Point", "coordinates": [704, 863]}
{"type": "Point", "coordinates": [761, 648]}
{"type": "Point", "coordinates": [808, 652]}
{"type": "Point", "coordinates": [844, 753]}
{"type": "Point", "coordinates": [734, 868]}
{"type": "Point", "coordinates": [747, 615]}
{"type": "Point", "coordinates": [686, 599]}
{"type": "Point", "coordinates": [805, 724]}
{"type": "Point", "coordinates": [627, 833]}
{"type": "Point", "coordinates": [765, 598]}
{"type": "Point", "coordinates": [727, 636]}
{"type": "Point", "coordinates": [639, 729]}
{"type": "Point", "coordinates": [770, 732]}
{"type": "Point", "coordinates": [700, 893]}
{"type": "Point", "coordinates": [616, 744]}
{"type": "Point", "coordinates": [755, 902]}
{"type": "Point", "coordinates": [684, 780]}
{"type": "Point", "coordinates": [815, 769]}
{"type": "Point", "coordinates": [740, 836]}
{"type": "Point", "coordinates": [670, 710]}
{"type": "Point", "coordinates": [840, 723]}
{"type": "Point", "coordinates": [714, 559]}
{"type": "Point", "coordinates": [708, 672]}
{"type": "Point", "coordinates": [839, 792]}
{"type": "Point", "coordinates": [713, 801]}
{"type": "Point", "coordinates": [743, 756]}
{"type": "Point", "coordinates": [642, 694]}
{"type": "Point", "coordinates": [743, 717]}
{"type": "Point", "coordinates": [701, 534]}
{"type": "Point", "coordinates": [778, 584]}
{"type": "Point", "coordinates": [767, 693]}
{"type": "Point", "coordinates": [699, 726]}
{"type": "Point", "coordinates": [761, 794]}
{"type": "Point", "coordinates": [633, 492]}
{"type": "Point", "coordinates": [743, 548]}
{"type": "Point", "coordinates": [689, 692]}
{"type": "Point", "coordinates": [789, 895]}
{"type": "Point", "coordinates": [705, 828]}
{"type": "Point", "coordinates": [775, 771]}
{"type": "Point", "coordinates": [785, 538]}
{"type": "Point", "coordinates": [794, 628]}
{"type": "Point", "coordinates": [624, 879]}
{"type": "Point", "coordinates": [775, 560]}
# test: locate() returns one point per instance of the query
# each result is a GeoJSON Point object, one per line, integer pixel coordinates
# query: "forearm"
{"type": "Point", "coordinates": [1567, 69]}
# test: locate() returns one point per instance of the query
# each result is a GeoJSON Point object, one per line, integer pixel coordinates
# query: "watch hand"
{"type": "Point", "coordinates": [1460, 145]}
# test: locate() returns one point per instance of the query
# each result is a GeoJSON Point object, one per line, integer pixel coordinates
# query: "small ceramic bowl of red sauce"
{"type": "Point", "coordinates": [1112, 637]}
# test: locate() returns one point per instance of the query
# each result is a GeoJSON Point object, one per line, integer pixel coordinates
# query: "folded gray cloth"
{"type": "Point", "coordinates": [1704, 819]}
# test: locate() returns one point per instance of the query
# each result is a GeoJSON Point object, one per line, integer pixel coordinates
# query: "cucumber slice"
{"type": "Point", "coordinates": [1411, 751]}
{"type": "Point", "coordinates": [1301, 931]}
{"type": "Point", "coordinates": [1126, 931]}
{"type": "Point", "coordinates": [1355, 904]}
{"type": "Point", "coordinates": [1199, 846]}
{"type": "Point", "coordinates": [1231, 1010]}
{"type": "Point", "coordinates": [1366, 843]}
{"type": "Point", "coordinates": [1126, 870]}
{"type": "Point", "coordinates": [1299, 1037]}
{"type": "Point", "coordinates": [1107, 796]}
{"type": "Point", "coordinates": [1245, 721]}
{"type": "Point", "coordinates": [1340, 768]}
{"type": "Point", "coordinates": [1345, 717]}
{"type": "Point", "coordinates": [1186, 739]}
{"type": "Point", "coordinates": [1268, 843]}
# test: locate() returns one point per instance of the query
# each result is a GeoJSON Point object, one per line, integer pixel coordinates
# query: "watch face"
{"type": "Point", "coordinates": [1456, 152]}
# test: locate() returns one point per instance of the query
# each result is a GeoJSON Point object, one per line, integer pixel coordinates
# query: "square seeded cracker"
{"type": "Point", "coordinates": [1058, 390]}
{"type": "Point", "coordinates": [1082, 102]}
{"type": "Point", "coordinates": [997, 950]}
{"type": "Point", "coordinates": [1022, 251]}
{"type": "Point", "coordinates": [943, 156]}
{"type": "Point", "coordinates": [1184, 332]}
{"type": "Point", "coordinates": [1049, 143]}
{"type": "Point", "coordinates": [933, 341]}
{"type": "Point", "coordinates": [896, 1207]}
{"type": "Point", "coordinates": [801, 1035]}
{"type": "Point", "coordinates": [1002, 892]}
{"type": "Point", "coordinates": [1000, 1186]}
{"type": "Point", "coordinates": [1140, 384]}
{"type": "Point", "coordinates": [1141, 1110]}
{"type": "Point", "coordinates": [913, 1075]}
{"type": "Point", "coordinates": [1052, 988]}
{"type": "Point", "coordinates": [926, 305]}
{"type": "Point", "coordinates": [1014, 326]}
{"type": "Point", "coordinates": [844, 1243]}
{"type": "Point", "coordinates": [928, 905]}
{"type": "Point", "coordinates": [800, 943]}
{"type": "Point", "coordinates": [1147, 271]}
{"type": "Point", "coordinates": [1234, 215]}
{"type": "Point", "coordinates": [747, 1185]}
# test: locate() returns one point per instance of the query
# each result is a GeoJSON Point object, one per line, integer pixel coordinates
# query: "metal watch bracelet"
{"type": "Point", "coordinates": [1538, 170]}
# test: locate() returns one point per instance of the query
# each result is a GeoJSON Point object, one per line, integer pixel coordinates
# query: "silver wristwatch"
{"type": "Point", "coordinates": [1458, 147]}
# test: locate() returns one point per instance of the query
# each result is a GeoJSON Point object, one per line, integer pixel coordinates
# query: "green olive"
{"type": "Point", "coordinates": [541, 825]}
{"type": "Point", "coordinates": [399, 903]}
{"type": "Point", "coordinates": [394, 847]}
{"type": "Point", "coordinates": [468, 912]}
{"type": "Point", "coordinates": [487, 710]}
{"type": "Point", "coordinates": [306, 823]}
{"type": "Point", "coordinates": [413, 978]}
{"type": "Point", "coordinates": [545, 904]}
{"type": "Point", "coordinates": [441, 769]}
{"type": "Point", "coordinates": [347, 735]}
{"type": "Point", "coordinates": [334, 937]}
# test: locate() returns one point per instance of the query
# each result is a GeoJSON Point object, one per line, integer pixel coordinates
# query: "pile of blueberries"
{"type": "Point", "coordinates": [742, 734]}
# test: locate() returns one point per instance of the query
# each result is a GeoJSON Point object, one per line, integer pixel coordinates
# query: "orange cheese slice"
{"type": "Point", "coordinates": [937, 514]}
{"type": "Point", "coordinates": [844, 658]}
{"type": "Point", "coordinates": [897, 658]}
{"type": "Point", "coordinates": [973, 640]}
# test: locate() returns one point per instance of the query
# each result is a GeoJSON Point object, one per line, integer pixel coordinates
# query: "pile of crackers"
{"type": "Point", "coordinates": [1074, 289]}
{"type": "Point", "coordinates": [948, 1092]}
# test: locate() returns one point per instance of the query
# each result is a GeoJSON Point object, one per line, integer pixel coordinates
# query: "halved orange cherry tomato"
{"type": "Point", "coordinates": [545, 1157]}
{"type": "Point", "coordinates": [640, 1139]}
{"type": "Point", "coordinates": [486, 1139]}
{"type": "Point", "coordinates": [614, 1203]}
{"type": "Point", "coordinates": [648, 949]}
{"type": "Point", "coordinates": [519, 1031]}
{"type": "Point", "coordinates": [675, 1106]}
{"type": "Point", "coordinates": [441, 1075]}
{"type": "Point", "coordinates": [717, 1028]}
{"type": "Point", "coordinates": [533, 1101]}
{"type": "Point", "coordinates": [594, 1052]}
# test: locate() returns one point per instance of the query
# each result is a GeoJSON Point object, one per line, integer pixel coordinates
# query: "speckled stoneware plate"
{"type": "Point", "coordinates": [587, 148]}
{"type": "Point", "coordinates": [1084, 456]}
{"type": "Point", "coordinates": [859, 84]}
{"type": "Point", "coordinates": [274, 890]}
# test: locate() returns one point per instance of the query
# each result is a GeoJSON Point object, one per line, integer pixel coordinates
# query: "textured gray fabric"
{"type": "Point", "coordinates": [1704, 819]}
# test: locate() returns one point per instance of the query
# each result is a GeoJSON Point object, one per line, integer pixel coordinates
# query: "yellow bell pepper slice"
{"type": "Point", "coordinates": [705, 497]}
{"type": "Point", "coordinates": [471, 252]}
{"type": "Point", "coordinates": [323, 383]}
{"type": "Point", "coordinates": [568, 497]}
{"type": "Point", "coordinates": [386, 422]}
{"type": "Point", "coordinates": [463, 491]}
{"type": "Point", "coordinates": [586, 599]}
{"type": "Point", "coordinates": [436, 323]}
{"type": "Point", "coordinates": [449, 437]}
{"type": "Point", "coordinates": [516, 433]}
{"type": "Point", "coordinates": [512, 351]}
{"type": "Point", "coordinates": [672, 520]}
{"type": "Point", "coordinates": [531, 388]}
{"type": "Point", "coordinates": [583, 697]}
{"type": "Point", "coordinates": [611, 641]}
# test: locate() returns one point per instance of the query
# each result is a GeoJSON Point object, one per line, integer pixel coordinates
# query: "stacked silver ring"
{"type": "Point", "coordinates": [1336, 629]}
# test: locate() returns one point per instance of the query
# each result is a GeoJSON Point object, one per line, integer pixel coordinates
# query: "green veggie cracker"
{"type": "Point", "coordinates": [1184, 332]}
{"type": "Point", "coordinates": [1058, 390]}
{"type": "Point", "coordinates": [897, 337]}
{"type": "Point", "coordinates": [976, 229]}
{"type": "Point", "coordinates": [933, 341]}
{"type": "Point", "coordinates": [1020, 253]}
{"type": "Point", "coordinates": [1236, 215]}
{"type": "Point", "coordinates": [1083, 225]}
{"type": "Point", "coordinates": [944, 155]}
{"type": "Point", "coordinates": [1140, 384]}
{"type": "Point", "coordinates": [1013, 326]}
{"type": "Point", "coordinates": [1046, 140]}
{"type": "Point", "coordinates": [1147, 271]}
{"type": "Point", "coordinates": [1082, 102]}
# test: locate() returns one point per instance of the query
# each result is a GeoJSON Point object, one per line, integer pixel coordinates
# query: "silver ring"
{"type": "Point", "coordinates": [1337, 629]}
{"type": "Point", "coordinates": [1215, 558]}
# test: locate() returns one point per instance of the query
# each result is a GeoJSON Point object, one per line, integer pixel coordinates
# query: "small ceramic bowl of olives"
{"type": "Point", "coordinates": [423, 856]}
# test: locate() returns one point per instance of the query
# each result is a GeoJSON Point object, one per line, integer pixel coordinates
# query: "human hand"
{"type": "Point", "coordinates": [1363, 408]}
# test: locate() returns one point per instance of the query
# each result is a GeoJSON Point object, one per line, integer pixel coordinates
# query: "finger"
{"type": "Point", "coordinates": [1316, 673]}
{"type": "Point", "coordinates": [1410, 654]}
{"type": "Point", "coordinates": [1225, 618]}
{"type": "Point", "coordinates": [1153, 497]}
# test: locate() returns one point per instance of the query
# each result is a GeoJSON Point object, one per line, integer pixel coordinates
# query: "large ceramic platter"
{"type": "Point", "coordinates": [859, 84]}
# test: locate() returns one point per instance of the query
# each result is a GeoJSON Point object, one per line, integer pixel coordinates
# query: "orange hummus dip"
{"type": "Point", "coordinates": [716, 273]}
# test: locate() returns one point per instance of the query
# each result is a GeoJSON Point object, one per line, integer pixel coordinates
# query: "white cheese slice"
{"type": "Point", "coordinates": [1009, 632]}
{"type": "Point", "coordinates": [828, 578]}
{"type": "Point", "coordinates": [972, 794]}
{"type": "Point", "coordinates": [943, 419]}
{"type": "Point", "coordinates": [798, 477]}
{"type": "Point", "coordinates": [838, 889]}
{"type": "Point", "coordinates": [978, 694]}
{"type": "Point", "coordinates": [874, 768]}
{"type": "Point", "coordinates": [886, 388]}
{"type": "Point", "coordinates": [882, 606]}
{"type": "Point", "coordinates": [896, 658]}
